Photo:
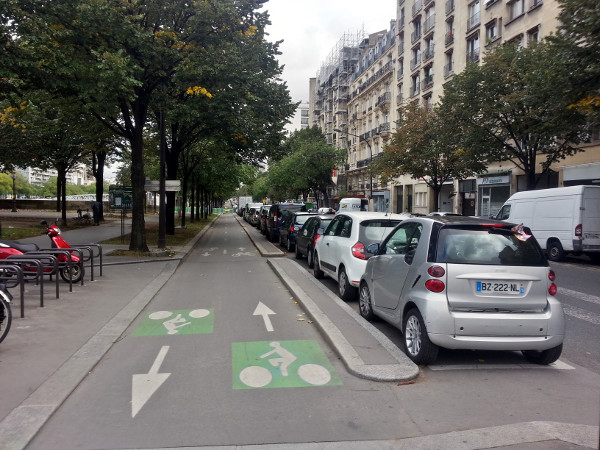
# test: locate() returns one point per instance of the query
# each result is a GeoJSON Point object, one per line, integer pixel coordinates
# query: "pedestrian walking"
{"type": "Point", "coordinates": [96, 209]}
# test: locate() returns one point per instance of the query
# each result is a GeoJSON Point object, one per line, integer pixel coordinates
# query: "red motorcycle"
{"type": "Point", "coordinates": [73, 271]}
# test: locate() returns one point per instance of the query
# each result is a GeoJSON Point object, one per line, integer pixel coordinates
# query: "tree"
{"type": "Point", "coordinates": [514, 107]}
{"type": "Point", "coordinates": [308, 165]}
{"type": "Point", "coordinates": [577, 43]}
{"type": "Point", "coordinates": [122, 60]}
{"type": "Point", "coordinates": [425, 147]}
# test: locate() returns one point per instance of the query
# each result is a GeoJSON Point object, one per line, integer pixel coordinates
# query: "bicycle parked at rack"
{"type": "Point", "coordinates": [5, 312]}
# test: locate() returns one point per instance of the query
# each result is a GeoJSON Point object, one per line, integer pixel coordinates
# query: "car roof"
{"type": "Point", "coordinates": [463, 220]}
{"type": "Point", "coordinates": [367, 215]}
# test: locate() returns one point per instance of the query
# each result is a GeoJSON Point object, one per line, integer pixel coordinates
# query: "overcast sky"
{"type": "Point", "coordinates": [311, 28]}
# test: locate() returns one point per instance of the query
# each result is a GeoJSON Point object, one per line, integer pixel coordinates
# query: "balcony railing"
{"type": "Point", "coordinates": [449, 38]}
{"type": "Point", "coordinates": [414, 36]}
{"type": "Point", "coordinates": [474, 21]}
{"type": "Point", "coordinates": [415, 62]}
{"type": "Point", "coordinates": [473, 56]}
{"type": "Point", "coordinates": [429, 23]}
{"type": "Point", "coordinates": [414, 90]}
{"type": "Point", "coordinates": [418, 6]}
{"type": "Point", "coordinates": [427, 82]}
{"type": "Point", "coordinates": [428, 53]}
{"type": "Point", "coordinates": [448, 70]}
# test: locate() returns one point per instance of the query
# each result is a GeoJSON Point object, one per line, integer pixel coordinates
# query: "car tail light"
{"type": "Point", "coordinates": [552, 289]}
{"type": "Point", "coordinates": [435, 285]}
{"type": "Point", "coordinates": [436, 271]}
{"type": "Point", "coordinates": [292, 229]}
{"type": "Point", "coordinates": [317, 236]}
{"type": "Point", "coordinates": [358, 251]}
{"type": "Point", "coordinates": [579, 230]}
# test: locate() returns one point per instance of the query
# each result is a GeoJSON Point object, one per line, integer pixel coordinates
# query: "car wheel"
{"type": "Point", "coordinates": [317, 272]}
{"type": "Point", "coordinates": [364, 302]}
{"type": "Point", "coordinates": [298, 254]}
{"type": "Point", "coordinates": [416, 341]}
{"type": "Point", "coordinates": [543, 357]}
{"type": "Point", "coordinates": [346, 291]}
{"type": "Point", "coordinates": [310, 256]}
{"type": "Point", "coordinates": [555, 251]}
{"type": "Point", "coordinates": [288, 245]}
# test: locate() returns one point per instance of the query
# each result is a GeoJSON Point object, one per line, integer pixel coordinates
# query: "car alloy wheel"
{"type": "Point", "coordinates": [418, 346]}
{"type": "Point", "coordinates": [345, 289]}
{"type": "Point", "coordinates": [364, 302]}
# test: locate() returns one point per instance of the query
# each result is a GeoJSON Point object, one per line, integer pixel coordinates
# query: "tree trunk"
{"type": "Point", "coordinates": [138, 241]}
{"type": "Point", "coordinates": [98, 161]}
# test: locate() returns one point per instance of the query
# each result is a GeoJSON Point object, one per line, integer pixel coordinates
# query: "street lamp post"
{"type": "Point", "coordinates": [370, 161]}
{"type": "Point", "coordinates": [14, 177]}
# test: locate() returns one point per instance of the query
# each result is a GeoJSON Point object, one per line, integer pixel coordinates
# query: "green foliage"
{"type": "Point", "coordinates": [307, 166]}
{"type": "Point", "coordinates": [514, 108]}
{"type": "Point", "coordinates": [425, 146]}
{"type": "Point", "coordinates": [577, 44]}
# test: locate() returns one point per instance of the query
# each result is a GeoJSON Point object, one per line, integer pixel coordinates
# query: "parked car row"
{"type": "Point", "coordinates": [446, 281]}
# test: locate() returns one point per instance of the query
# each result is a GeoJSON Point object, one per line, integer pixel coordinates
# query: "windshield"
{"type": "Point", "coordinates": [492, 246]}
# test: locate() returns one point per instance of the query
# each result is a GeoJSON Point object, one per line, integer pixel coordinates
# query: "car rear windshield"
{"type": "Point", "coordinates": [373, 231]}
{"type": "Point", "coordinates": [300, 220]}
{"type": "Point", "coordinates": [292, 208]}
{"type": "Point", "coordinates": [488, 246]}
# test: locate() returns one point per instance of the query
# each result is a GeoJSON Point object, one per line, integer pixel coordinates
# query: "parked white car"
{"type": "Point", "coordinates": [341, 252]}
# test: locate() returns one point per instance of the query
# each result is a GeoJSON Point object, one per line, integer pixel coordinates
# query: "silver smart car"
{"type": "Point", "coordinates": [464, 283]}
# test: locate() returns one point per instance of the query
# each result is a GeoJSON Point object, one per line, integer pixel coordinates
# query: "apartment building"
{"type": "Point", "coordinates": [79, 175]}
{"type": "Point", "coordinates": [429, 42]}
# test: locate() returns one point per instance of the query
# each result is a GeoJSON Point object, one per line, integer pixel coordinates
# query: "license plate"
{"type": "Point", "coordinates": [500, 287]}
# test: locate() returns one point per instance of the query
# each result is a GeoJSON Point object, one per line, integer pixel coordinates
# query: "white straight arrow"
{"type": "Point", "coordinates": [145, 384]}
{"type": "Point", "coordinates": [265, 311]}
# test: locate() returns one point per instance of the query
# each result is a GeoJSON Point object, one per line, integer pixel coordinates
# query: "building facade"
{"type": "Point", "coordinates": [428, 43]}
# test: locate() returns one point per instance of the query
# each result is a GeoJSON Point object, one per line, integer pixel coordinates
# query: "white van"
{"type": "Point", "coordinates": [351, 204]}
{"type": "Point", "coordinates": [563, 220]}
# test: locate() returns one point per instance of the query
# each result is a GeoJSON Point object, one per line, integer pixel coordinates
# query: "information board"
{"type": "Point", "coordinates": [120, 197]}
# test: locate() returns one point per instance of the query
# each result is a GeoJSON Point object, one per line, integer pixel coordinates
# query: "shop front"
{"type": "Point", "coordinates": [493, 189]}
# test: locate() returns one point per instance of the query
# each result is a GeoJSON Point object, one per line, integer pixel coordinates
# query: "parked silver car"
{"type": "Point", "coordinates": [464, 283]}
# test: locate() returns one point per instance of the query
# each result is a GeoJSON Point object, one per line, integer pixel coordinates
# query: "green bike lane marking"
{"type": "Point", "coordinates": [262, 364]}
{"type": "Point", "coordinates": [281, 364]}
{"type": "Point", "coordinates": [184, 321]}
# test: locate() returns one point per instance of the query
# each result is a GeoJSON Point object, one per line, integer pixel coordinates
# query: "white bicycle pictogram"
{"type": "Point", "coordinates": [257, 376]}
{"type": "Point", "coordinates": [173, 325]}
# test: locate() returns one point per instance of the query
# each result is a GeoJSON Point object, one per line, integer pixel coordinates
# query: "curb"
{"type": "Point", "coordinates": [404, 370]}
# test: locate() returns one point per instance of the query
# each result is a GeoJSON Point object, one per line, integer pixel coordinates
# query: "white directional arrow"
{"type": "Point", "coordinates": [265, 311]}
{"type": "Point", "coordinates": [145, 384]}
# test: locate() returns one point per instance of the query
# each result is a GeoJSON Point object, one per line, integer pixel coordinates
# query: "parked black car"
{"type": "Point", "coordinates": [275, 216]}
{"type": "Point", "coordinates": [291, 224]}
{"type": "Point", "coordinates": [308, 234]}
{"type": "Point", "coordinates": [263, 214]}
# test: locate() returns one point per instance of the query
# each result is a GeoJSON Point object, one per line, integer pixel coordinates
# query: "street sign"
{"type": "Point", "coordinates": [120, 197]}
{"type": "Point", "coordinates": [170, 185]}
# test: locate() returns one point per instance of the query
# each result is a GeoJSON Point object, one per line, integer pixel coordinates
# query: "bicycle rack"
{"type": "Point", "coordinates": [90, 247]}
{"type": "Point", "coordinates": [69, 261]}
{"type": "Point", "coordinates": [13, 281]}
{"type": "Point", "coordinates": [25, 262]}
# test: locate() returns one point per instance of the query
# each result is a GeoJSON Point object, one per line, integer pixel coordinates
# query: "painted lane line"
{"type": "Point", "coordinates": [264, 311]}
{"type": "Point", "coordinates": [579, 295]}
{"type": "Point", "coordinates": [145, 384]}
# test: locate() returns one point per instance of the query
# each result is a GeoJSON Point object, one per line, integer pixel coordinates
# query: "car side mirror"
{"type": "Point", "coordinates": [409, 257]}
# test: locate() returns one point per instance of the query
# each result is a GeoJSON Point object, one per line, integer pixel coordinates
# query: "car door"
{"type": "Point", "coordinates": [304, 235]}
{"type": "Point", "coordinates": [328, 241]}
{"type": "Point", "coordinates": [390, 267]}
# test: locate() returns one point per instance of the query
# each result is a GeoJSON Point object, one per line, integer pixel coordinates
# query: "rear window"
{"type": "Point", "coordinates": [373, 231]}
{"type": "Point", "coordinates": [488, 246]}
{"type": "Point", "coordinates": [302, 219]}
{"type": "Point", "coordinates": [292, 208]}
